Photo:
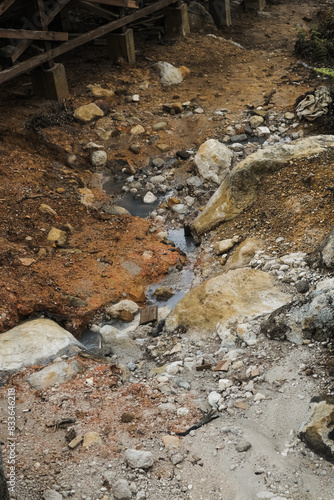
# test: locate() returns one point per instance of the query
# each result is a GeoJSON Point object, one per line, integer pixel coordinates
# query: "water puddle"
{"type": "Point", "coordinates": [138, 207]}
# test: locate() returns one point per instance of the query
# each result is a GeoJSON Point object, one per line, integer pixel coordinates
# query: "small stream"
{"type": "Point", "coordinates": [179, 281]}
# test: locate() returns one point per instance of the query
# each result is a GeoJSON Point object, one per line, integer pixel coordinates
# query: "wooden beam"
{"type": "Point", "coordinates": [19, 49]}
{"type": "Point", "coordinates": [99, 11]}
{"type": "Point", "coordinates": [148, 314]}
{"type": "Point", "coordinates": [33, 35]}
{"type": "Point", "coordinates": [24, 66]}
{"type": "Point", "coordinates": [55, 11]}
{"type": "Point", "coordinates": [118, 3]}
{"type": "Point", "coordinates": [5, 5]}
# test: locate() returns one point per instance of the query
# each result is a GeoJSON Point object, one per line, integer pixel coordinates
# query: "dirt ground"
{"type": "Point", "coordinates": [38, 276]}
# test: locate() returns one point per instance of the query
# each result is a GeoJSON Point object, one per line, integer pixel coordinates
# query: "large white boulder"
{"type": "Point", "coordinates": [35, 342]}
{"type": "Point", "coordinates": [213, 160]}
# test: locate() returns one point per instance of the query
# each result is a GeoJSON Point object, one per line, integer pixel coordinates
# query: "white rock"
{"type": "Point", "coordinates": [174, 368]}
{"type": "Point", "coordinates": [255, 121]}
{"type": "Point", "coordinates": [123, 305]}
{"type": "Point", "coordinates": [259, 397]}
{"type": "Point", "coordinates": [33, 343]}
{"type": "Point", "coordinates": [137, 459]}
{"type": "Point", "coordinates": [121, 490]}
{"type": "Point", "coordinates": [98, 158]}
{"type": "Point", "coordinates": [56, 373]}
{"type": "Point", "coordinates": [263, 131]}
{"type": "Point", "coordinates": [213, 160]}
{"type": "Point", "coordinates": [224, 383]}
{"type": "Point", "coordinates": [169, 74]}
{"type": "Point", "coordinates": [214, 398]}
{"type": "Point", "coordinates": [149, 198]}
{"type": "Point", "coordinates": [52, 495]}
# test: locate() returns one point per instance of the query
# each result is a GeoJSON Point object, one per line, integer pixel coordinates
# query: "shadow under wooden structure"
{"type": "Point", "coordinates": [220, 10]}
{"type": "Point", "coordinates": [35, 32]}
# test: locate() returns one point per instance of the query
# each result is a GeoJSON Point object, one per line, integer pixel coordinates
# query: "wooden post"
{"type": "Point", "coordinates": [50, 83]}
{"type": "Point", "coordinates": [220, 11]}
{"type": "Point", "coordinates": [122, 45]}
{"type": "Point", "coordinates": [177, 22]}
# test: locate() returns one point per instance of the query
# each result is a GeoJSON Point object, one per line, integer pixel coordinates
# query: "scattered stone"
{"type": "Point", "coordinates": [91, 439]}
{"type": "Point", "coordinates": [163, 147]}
{"type": "Point", "coordinates": [171, 442]}
{"type": "Point", "coordinates": [223, 366]}
{"type": "Point", "coordinates": [289, 116]}
{"type": "Point", "coordinates": [137, 459]}
{"type": "Point", "coordinates": [317, 430]}
{"type": "Point", "coordinates": [118, 117]}
{"type": "Point", "coordinates": [256, 121]}
{"type": "Point", "coordinates": [223, 246]}
{"type": "Point", "coordinates": [121, 490]}
{"type": "Point", "coordinates": [149, 198]}
{"type": "Point", "coordinates": [171, 75]}
{"type": "Point", "coordinates": [57, 373]}
{"type": "Point", "coordinates": [116, 210]}
{"type": "Point", "coordinates": [214, 398]}
{"type": "Point", "coordinates": [163, 293]}
{"type": "Point", "coordinates": [213, 160]}
{"type": "Point", "coordinates": [160, 126]}
{"type": "Point", "coordinates": [263, 131]}
{"type": "Point", "coordinates": [57, 236]}
{"type": "Point", "coordinates": [243, 446]}
{"type": "Point", "coordinates": [76, 301]}
{"type": "Point", "coordinates": [98, 159]}
{"type": "Point", "coordinates": [323, 255]}
{"type": "Point", "coordinates": [52, 495]}
{"type": "Point", "coordinates": [177, 458]}
{"type": "Point", "coordinates": [75, 442]}
{"type": "Point", "coordinates": [127, 418]}
{"type": "Point", "coordinates": [117, 342]}
{"type": "Point", "coordinates": [137, 130]}
{"type": "Point", "coordinates": [183, 154]}
{"type": "Point", "coordinates": [100, 92]}
{"type": "Point", "coordinates": [302, 286]}
{"type": "Point", "coordinates": [88, 112]}
{"type": "Point", "coordinates": [46, 209]}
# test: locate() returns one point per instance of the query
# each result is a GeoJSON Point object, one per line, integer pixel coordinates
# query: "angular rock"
{"type": "Point", "coordinates": [88, 112]}
{"type": "Point", "coordinates": [46, 209]}
{"type": "Point", "coordinates": [118, 343]}
{"type": "Point", "coordinates": [137, 459]}
{"type": "Point", "coordinates": [244, 253]}
{"type": "Point", "coordinates": [317, 430]}
{"type": "Point", "coordinates": [241, 185]}
{"type": "Point", "coordinates": [149, 198]}
{"type": "Point", "coordinates": [124, 305]}
{"type": "Point", "coordinates": [91, 439]}
{"type": "Point", "coordinates": [163, 293]}
{"type": "Point", "coordinates": [223, 246]}
{"type": "Point", "coordinates": [57, 373]}
{"type": "Point", "coordinates": [171, 75]}
{"type": "Point", "coordinates": [35, 342]}
{"type": "Point", "coordinates": [51, 495]}
{"type": "Point", "coordinates": [57, 236]}
{"type": "Point", "coordinates": [121, 490]}
{"type": "Point", "coordinates": [310, 317]}
{"type": "Point", "coordinates": [213, 160]}
{"type": "Point", "coordinates": [171, 442]}
{"type": "Point", "coordinates": [256, 121]}
{"type": "Point", "coordinates": [323, 255]}
{"type": "Point", "coordinates": [226, 298]}
{"type": "Point", "coordinates": [137, 130]}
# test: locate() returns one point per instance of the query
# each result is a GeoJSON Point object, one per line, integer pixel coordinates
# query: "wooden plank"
{"type": "Point", "coordinates": [19, 49]}
{"type": "Point", "coordinates": [148, 314]}
{"type": "Point", "coordinates": [96, 9]}
{"type": "Point", "coordinates": [33, 35]}
{"type": "Point", "coordinates": [118, 3]}
{"type": "Point", "coordinates": [55, 11]}
{"type": "Point", "coordinates": [5, 5]}
{"type": "Point", "coordinates": [24, 66]}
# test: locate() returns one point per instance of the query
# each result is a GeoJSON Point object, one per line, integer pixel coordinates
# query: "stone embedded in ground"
{"type": "Point", "coordinates": [124, 305]}
{"type": "Point", "coordinates": [50, 495]}
{"type": "Point", "coordinates": [99, 92]}
{"type": "Point", "coordinates": [317, 430]}
{"type": "Point", "coordinates": [243, 446]}
{"type": "Point", "coordinates": [149, 198]}
{"type": "Point", "coordinates": [74, 443]}
{"type": "Point", "coordinates": [256, 121]}
{"type": "Point", "coordinates": [116, 342]}
{"type": "Point", "coordinates": [171, 442]}
{"type": "Point", "coordinates": [171, 75]}
{"type": "Point", "coordinates": [57, 373]}
{"type": "Point", "coordinates": [98, 159]}
{"type": "Point", "coordinates": [213, 398]}
{"type": "Point", "coordinates": [160, 126]}
{"type": "Point", "coordinates": [138, 459]}
{"type": "Point", "coordinates": [241, 185]}
{"type": "Point", "coordinates": [323, 255]}
{"type": "Point", "coordinates": [46, 209]}
{"type": "Point", "coordinates": [121, 490]}
{"type": "Point", "coordinates": [223, 246]}
{"type": "Point", "coordinates": [35, 342]}
{"type": "Point", "coordinates": [57, 236]}
{"type": "Point", "coordinates": [244, 253]}
{"type": "Point", "coordinates": [91, 439]}
{"type": "Point", "coordinates": [137, 130]}
{"type": "Point", "coordinates": [163, 293]}
{"type": "Point", "coordinates": [88, 112]}
{"type": "Point", "coordinates": [310, 317]}
{"type": "Point", "coordinates": [226, 298]}
{"type": "Point", "coordinates": [213, 160]}
{"type": "Point", "coordinates": [177, 458]}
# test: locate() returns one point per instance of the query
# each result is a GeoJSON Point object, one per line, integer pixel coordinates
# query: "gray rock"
{"type": "Point", "coordinates": [52, 495]}
{"type": "Point", "coordinates": [116, 210]}
{"type": "Point", "coordinates": [213, 160]}
{"type": "Point", "coordinates": [317, 430]}
{"type": "Point", "coordinates": [160, 126]}
{"type": "Point", "coordinates": [118, 343]}
{"type": "Point", "coordinates": [241, 185]}
{"type": "Point", "coordinates": [311, 317]}
{"type": "Point", "coordinates": [239, 138]}
{"type": "Point", "coordinates": [255, 121]}
{"type": "Point", "coordinates": [141, 495]}
{"type": "Point", "coordinates": [177, 458]}
{"type": "Point", "coordinates": [302, 286]}
{"type": "Point", "coordinates": [158, 162]}
{"type": "Point", "coordinates": [137, 459]}
{"type": "Point", "coordinates": [194, 182]}
{"type": "Point", "coordinates": [135, 148]}
{"type": "Point", "coordinates": [57, 373]}
{"type": "Point", "coordinates": [323, 255]}
{"type": "Point", "coordinates": [243, 446]}
{"type": "Point", "coordinates": [121, 490]}
{"type": "Point", "coordinates": [35, 342]}
{"type": "Point", "coordinates": [98, 159]}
